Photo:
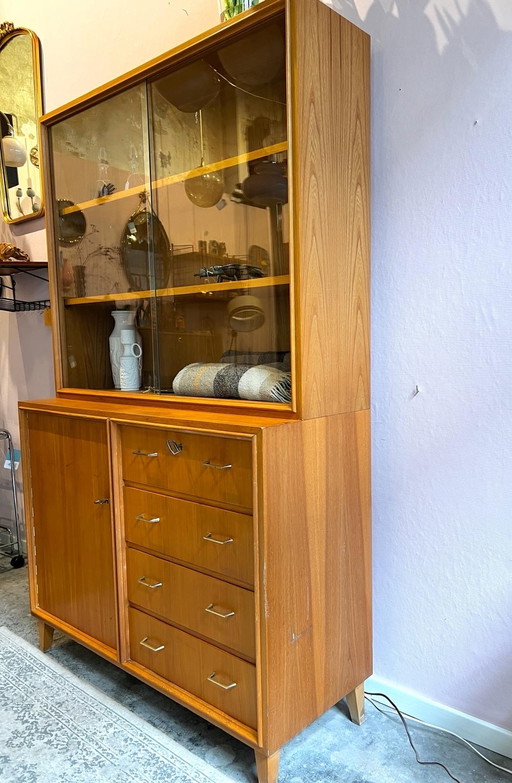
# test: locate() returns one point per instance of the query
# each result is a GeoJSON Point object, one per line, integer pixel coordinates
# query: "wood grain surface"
{"type": "Point", "coordinates": [330, 95]}
{"type": "Point", "coordinates": [193, 601]}
{"type": "Point", "coordinates": [210, 539]}
{"type": "Point", "coordinates": [189, 662]}
{"type": "Point", "coordinates": [69, 472]}
{"type": "Point", "coordinates": [315, 574]}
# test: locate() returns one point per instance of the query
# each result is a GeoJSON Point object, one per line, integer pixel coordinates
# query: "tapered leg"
{"type": "Point", "coordinates": [355, 704]}
{"type": "Point", "coordinates": [45, 636]}
{"type": "Point", "coordinates": [267, 767]}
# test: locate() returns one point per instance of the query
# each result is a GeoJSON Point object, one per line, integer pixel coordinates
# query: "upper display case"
{"type": "Point", "coordinates": [178, 203]}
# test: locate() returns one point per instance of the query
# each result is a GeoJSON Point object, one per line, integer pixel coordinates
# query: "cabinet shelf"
{"type": "Point", "coordinates": [227, 163]}
{"type": "Point", "coordinates": [187, 290]}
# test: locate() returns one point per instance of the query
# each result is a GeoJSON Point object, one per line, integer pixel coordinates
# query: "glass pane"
{"type": "Point", "coordinates": [220, 189]}
{"type": "Point", "coordinates": [104, 229]}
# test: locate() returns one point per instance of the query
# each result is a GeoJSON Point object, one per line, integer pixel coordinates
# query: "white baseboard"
{"type": "Point", "coordinates": [472, 729]}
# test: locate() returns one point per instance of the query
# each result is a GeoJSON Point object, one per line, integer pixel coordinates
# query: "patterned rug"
{"type": "Point", "coordinates": [54, 728]}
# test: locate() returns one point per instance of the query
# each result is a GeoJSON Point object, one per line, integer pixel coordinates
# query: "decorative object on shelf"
{"type": "Point", "coordinates": [71, 225]}
{"type": "Point", "coordinates": [227, 272]}
{"type": "Point", "coordinates": [267, 186]}
{"type": "Point", "coordinates": [104, 187]}
{"type": "Point", "coordinates": [145, 249]}
{"type": "Point", "coordinates": [8, 251]}
{"type": "Point", "coordinates": [79, 280]}
{"type": "Point", "coordinates": [245, 313]}
{"type": "Point", "coordinates": [230, 8]}
{"type": "Point", "coordinates": [242, 60]}
{"type": "Point", "coordinates": [204, 190]}
{"type": "Point", "coordinates": [124, 322]}
{"type": "Point", "coordinates": [236, 381]}
{"type": "Point", "coordinates": [135, 178]}
{"type": "Point", "coordinates": [130, 365]}
{"type": "Point", "coordinates": [66, 275]}
{"type": "Point", "coordinates": [191, 88]}
{"type": "Point", "coordinates": [258, 256]}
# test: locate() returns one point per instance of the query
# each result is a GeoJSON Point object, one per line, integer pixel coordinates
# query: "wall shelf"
{"type": "Point", "coordinates": [12, 304]}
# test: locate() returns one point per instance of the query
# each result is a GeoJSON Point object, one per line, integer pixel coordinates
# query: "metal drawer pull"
{"type": "Point", "coordinates": [151, 585]}
{"type": "Point", "coordinates": [209, 464]}
{"type": "Point", "coordinates": [221, 541]}
{"type": "Point", "coordinates": [144, 643]}
{"type": "Point", "coordinates": [211, 610]}
{"type": "Point", "coordinates": [144, 518]}
{"type": "Point", "coordinates": [211, 678]}
{"type": "Point", "coordinates": [174, 447]}
{"type": "Point", "coordinates": [145, 453]}
{"type": "Point", "coordinates": [101, 502]}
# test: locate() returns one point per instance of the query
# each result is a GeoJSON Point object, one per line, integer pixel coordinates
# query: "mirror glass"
{"type": "Point", "coordinates": [20, 107]}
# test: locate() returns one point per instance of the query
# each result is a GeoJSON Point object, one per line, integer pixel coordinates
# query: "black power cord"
{"type": "Point", "coordinates": [398, 712]}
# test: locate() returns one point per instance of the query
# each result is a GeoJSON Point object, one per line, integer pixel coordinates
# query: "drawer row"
{"type": "Point", "coordinates": [202, 466]}
{"type": "Point", "coordinates": [208, 538]}
{"type": "Point", "coordinates": [211, 674]}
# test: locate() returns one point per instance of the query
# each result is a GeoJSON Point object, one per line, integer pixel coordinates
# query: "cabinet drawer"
{"type": "Point", "coordinates": [217, 677]}
{"type": "Point", "coordinates": [205, 466]}
{"type": "Point", "coordinates": [215, 609]}
{"type": "Point", "coordinates": [211, 538]}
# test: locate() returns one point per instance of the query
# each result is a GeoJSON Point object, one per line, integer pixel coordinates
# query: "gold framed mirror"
{"type": "Point", "coordinates": [20, 108]}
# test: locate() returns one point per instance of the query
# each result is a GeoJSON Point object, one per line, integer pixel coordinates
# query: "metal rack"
{"type": "Point", "coordinates": [12, 304]}
{"type": "Point", "coordinates": [13, 547]}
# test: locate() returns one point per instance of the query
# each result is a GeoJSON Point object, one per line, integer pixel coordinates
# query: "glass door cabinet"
{"type": "Point", "coordinates": [171, 215]}
{"type": "Point", "coordinates": [208, 223]}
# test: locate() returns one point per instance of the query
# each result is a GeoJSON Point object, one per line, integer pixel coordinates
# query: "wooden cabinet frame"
{"type": "Point", "coordinates": [310, 459]}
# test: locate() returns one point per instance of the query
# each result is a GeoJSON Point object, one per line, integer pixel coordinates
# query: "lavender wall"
{"type": "Point", "coordinates": [441, 320]}
{"type": "Point", "coordinates": [442, 279]}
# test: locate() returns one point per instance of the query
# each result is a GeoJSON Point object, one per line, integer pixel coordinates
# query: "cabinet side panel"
{"type": "Point", "coordinates": [72, 533]}
{"type": "Point", "coordinates": [330, 97]}
{"type": "Point", "coordinates": [316, 578]}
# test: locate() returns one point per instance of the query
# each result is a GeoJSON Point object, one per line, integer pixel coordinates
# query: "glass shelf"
{"type": "Point", "coordinates": [208, 168]}
{"type": "Point", "coordinates": [203, 289]}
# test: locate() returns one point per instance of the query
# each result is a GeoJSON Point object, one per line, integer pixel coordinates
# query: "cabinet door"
{"type": "Point", "coordinates": [69, 474]}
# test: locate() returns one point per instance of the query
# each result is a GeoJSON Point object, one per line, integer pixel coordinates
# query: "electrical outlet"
{"type": "Point", "coordinates": [17, 457]}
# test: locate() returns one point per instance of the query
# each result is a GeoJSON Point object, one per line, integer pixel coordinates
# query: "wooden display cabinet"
{"type": "Point", "coordinates": [246, 148]}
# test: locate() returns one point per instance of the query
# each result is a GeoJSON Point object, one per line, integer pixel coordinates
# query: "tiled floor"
{"type": "Point", "coordinates": [332, 750]}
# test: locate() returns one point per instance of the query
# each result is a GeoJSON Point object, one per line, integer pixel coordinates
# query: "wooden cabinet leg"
{"type": "Point", "coordinates": [45, 635]}
{"type": "Point", "coordinates": [355, 704]}
{"type": "Point", "coordinates": [267, 767]}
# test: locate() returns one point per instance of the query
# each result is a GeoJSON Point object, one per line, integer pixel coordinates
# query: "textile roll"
{"type": "Point", "coordinates": [239, 381]}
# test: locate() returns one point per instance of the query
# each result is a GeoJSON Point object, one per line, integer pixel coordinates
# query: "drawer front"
{"type": "Point", "coordinates": [220, 679]}
{"type": "Point", "coordinates": [210, 538]}
{"type": "Point", "coordinates": [215, 609]}
{"type": "Point", "coordinates": [205, 466]}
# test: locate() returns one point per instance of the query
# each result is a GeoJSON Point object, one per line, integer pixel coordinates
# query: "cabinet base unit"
{"type": "Point", "coordinates": [262, 648]}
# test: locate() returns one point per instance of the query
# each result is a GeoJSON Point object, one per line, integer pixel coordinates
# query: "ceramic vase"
{"type": "Point", "coordinates": [130, 364]}
{"type": "Point", "coordinates": [123, 321]}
